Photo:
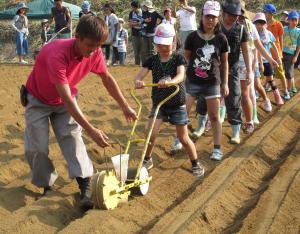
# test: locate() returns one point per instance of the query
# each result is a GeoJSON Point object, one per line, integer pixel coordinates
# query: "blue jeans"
{"type": "Point", "coordinates": [122, 57]}
{"type": "Point", "coordinates": [173, 115]}
{"type": "Point", "coordinates": [21, 44]}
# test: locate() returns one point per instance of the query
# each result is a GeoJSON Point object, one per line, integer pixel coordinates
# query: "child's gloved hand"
{"type": "Point", "coordinates": [139, 84]}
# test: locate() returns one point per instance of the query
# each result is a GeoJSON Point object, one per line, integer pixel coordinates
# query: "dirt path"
{"type": "Point", "coordinates": [251, 185]}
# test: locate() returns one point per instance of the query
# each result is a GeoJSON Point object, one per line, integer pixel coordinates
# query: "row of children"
{"type": "Point", "coordinates": [225, 60]}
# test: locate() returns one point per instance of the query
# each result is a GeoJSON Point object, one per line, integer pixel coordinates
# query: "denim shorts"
{"type": "Point", "coordinates": [209, 91]}
{"type": "Point", "coordinates": [268, 70]}
{"type": "Point", "coordinates": [173, 115]}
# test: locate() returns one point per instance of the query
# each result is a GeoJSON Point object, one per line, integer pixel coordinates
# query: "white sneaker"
{"type": "Point", "coordinates": [267, 105]}
{"type": "Point", "coordinates": [23, 62]}
{"type": "Point", "coordinates": [217, 155]}
{"type": "Point", "coordinates": [177, 146]}
{"type": "Point", "coordinates": [235, 140]}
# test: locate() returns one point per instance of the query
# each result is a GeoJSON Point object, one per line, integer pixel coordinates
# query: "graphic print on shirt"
{"type": "Point", "coordinates": [203, 63]}
{"type": "Point", "coordinates": [290, 39]}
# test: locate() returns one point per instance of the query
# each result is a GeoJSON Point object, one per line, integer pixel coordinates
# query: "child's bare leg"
{"type": "Point", "coordinates": [276, 93]}
{"type": "Point", "coordinates": [182, 133]}
{"type": "Point", "coordinates": [284, 84]}
{"type": "Point", "coordinates": [260, 89]}
{"type": "Point", "coordinates": [154, 134]}
{"type": "Point", "coordinates": [246, 101]}
{"type": "Point", "coordinates": [188, 144]}
{"type": "Point", "coordinates": [293, 82]}
{"type": "Point", "coordinates": [289, 84]}
{"type": "Point", "coordinates": [190, 100]}
{"type": "Point", "coordinates": [213, 109]}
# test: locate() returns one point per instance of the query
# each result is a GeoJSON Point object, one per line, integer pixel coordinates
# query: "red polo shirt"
{"type": "Point", "coordinates": [56, 63]}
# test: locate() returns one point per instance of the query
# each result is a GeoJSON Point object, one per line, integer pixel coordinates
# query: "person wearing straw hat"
{"type": "Point", "coordinates": [151, 19]}
{"type": "Point", "coordinates": [46, 32]}
{"type": "Point", "coordinates": [62, 18]}
{"type": "Point", "coordinates": [20, 25]}
{"type": "Point", "coordinates": [86, 9]}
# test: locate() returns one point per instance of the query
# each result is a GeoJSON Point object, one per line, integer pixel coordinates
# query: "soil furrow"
{"type": "Point", "coordinates": [178, 220]}
{"type": "Point", "coordinates": [271, 203]}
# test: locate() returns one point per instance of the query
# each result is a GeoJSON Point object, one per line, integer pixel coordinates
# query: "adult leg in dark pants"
{"type": "Point", "coordinates": [137, 47]}
{"type": "Point", "coordinates": [115, 56]}
{"type": "Point", "coordinates": [106, 49]}
{"type": "Point", "coordinates": [147, 48]}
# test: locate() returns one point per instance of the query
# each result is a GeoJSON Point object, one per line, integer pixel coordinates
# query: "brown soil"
{"type": "Point", "coordinates": [255, 189]}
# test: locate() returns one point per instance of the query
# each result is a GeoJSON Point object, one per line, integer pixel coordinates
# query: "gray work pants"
{"type": "Point", "coordinates": [137, 49]}
{"type": "Point", "coordinates": [68, 135]}
{"type": "Point", "coordinates": [147, 49]}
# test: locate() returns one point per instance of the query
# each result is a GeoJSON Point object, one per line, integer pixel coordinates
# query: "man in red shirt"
{"type": "Point", "coordinates": [51, 87]}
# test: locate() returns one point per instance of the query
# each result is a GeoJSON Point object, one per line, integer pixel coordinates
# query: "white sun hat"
{"type": "Point", "coordinates": [164, 34]}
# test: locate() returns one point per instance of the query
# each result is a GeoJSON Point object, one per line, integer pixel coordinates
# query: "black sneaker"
{"type": "Point", "coordinates": [198, 170]}
{"type": "Point", "coordinates": [47, 189]}
{"type": "Point", "coordinates": [85, 193]}
{"type": "Point", "coordinates": [148, 163]}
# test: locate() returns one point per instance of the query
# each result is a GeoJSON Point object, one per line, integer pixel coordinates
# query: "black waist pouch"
{"type": "Point", "coordinates": [23, 95]}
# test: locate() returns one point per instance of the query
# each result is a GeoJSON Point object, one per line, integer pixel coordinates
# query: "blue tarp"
{"type": "Point", "coordinates": [40, 9]}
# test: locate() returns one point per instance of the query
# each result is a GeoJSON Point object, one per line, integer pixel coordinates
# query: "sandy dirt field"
{"type": "Point", "coordinates": [255, 189]}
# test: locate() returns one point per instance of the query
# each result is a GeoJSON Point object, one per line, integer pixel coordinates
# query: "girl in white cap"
{"type": "Point", "coordinates": [168, 68]}
{"type": "Point", "coordinates": [20, 25]}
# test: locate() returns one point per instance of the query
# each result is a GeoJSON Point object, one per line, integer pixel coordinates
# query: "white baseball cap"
{"type": "Point", "coordinates": [212, 8]}
{"type": "Point", "coordinates": [164, 34]}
